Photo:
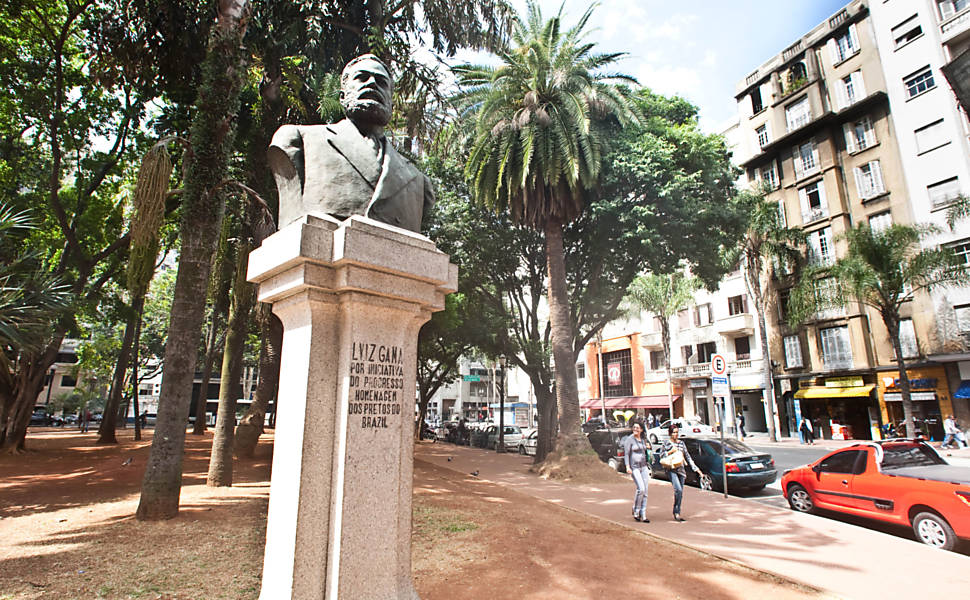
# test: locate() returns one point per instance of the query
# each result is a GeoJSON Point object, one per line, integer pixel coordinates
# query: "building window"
{"type": "Point", "coordinates": [793, 352]}
{"type": "Point", "coordinates": [836, 348]}
{"type": "Point", "coordinates": [686, 352]}
{"type": "Point", "coordinates": [623, 387]}
{"type": "Point", "coordinates": [821, 249]}
{"type": "Point", "coordinates": [703, 315]}
{"type": "Point", "coordinates": [581, 371]}
{"type": "Point", "coordinates": [762, 136]}
{"type": "Point", "coordinates": [962, 250]}
{"type": "Point", "coordinates": [657, 360]}
{"type": "Point", "coordinates": [783, 296]}
{"type": "Point", "coordinates": [948, 8]}
{"type": "Point", "coordinates": [880, 222]}
{"type": "Point", "coordinates": [67, 381]}
{"type": "Point", "coordinates": [683, 319]}
{"type": "Point", "coordinates": [868, 180]}
{"type": "Point", "coordinates": [705, 351]}
{"type": "Point", "coordinates": [756, 104]}
{"type": "Point", "coordinates": [931, 137]}
{"type": "Point", "coordinates": [806, 159]}
{"type": "Point", "coordinates": [798, 114]}
{"type": "Point", "coordinates": [907, 31]}
{"type": "Point", "coordinates": [850, 89]}
{"type": "Point", "coordinates": [742, 348]}
{"type": "Point", "coordinates": [782, 219]}
{"type": "Point", "coordinates": [844, 46]}
{"type": "Point", "coordinates": [919, 82]}
{"type": "Point", "coordinates": [943, 192]}
{"type": "Point", "coordinates": [769, 176]}
{"type": "Point", "coordinates": [827, 297]}
{"type": "Point", "coordinates": [963, 317]}
{"type": "Point", "coordinates": [737, 305]}
{"type": "Point", "coordinates": [657, 324]}
{"type": "Point", "coordinates": [907, 339]}
{"type": "Point", "coordinates": [859, 135]}
{"type": "Point", "coordinates": [812, 200]}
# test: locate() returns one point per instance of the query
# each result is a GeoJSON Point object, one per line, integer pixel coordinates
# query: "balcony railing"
{"type": "Point", "coordinates": [814, 214]}
{"type": "Point", "coordinates": [955, 24]}
{"type": "Point", "coordinates": [739, 323]}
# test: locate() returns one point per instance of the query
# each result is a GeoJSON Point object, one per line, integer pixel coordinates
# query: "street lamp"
{"type": "Point", "coordinates": [500, 446]}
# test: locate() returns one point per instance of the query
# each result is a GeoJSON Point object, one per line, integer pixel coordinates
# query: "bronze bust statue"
{"type": "Point", "coordinates": [350, 168]}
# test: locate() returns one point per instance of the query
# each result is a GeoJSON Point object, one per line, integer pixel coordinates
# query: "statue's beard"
{"type": "Point", "coordinates": [368, 111]}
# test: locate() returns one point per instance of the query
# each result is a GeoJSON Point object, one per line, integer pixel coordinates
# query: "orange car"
{"type": "Point", "coordinates": [897, 481]}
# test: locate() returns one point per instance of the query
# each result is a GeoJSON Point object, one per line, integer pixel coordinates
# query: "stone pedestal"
{"type": "Point", "coordinates": [352, 296]}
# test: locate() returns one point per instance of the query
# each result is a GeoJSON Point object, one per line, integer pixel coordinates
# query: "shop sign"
{"type": "Point", "coordinates": [614, 373]}
{"type": "Point", "coordinates": [844, 382]}
{"type": "Point", "coordinates": [920, 383]}
{"type": "Point", "coordinates": [807, 382]}
{"type": "Point", "coordinates": [697, 383]}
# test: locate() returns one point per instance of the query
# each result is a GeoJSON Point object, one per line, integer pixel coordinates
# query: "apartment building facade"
{"type": "Point", "coordinates": [631, 353]}
{"type": "Point", "coordinates": [818, 127]}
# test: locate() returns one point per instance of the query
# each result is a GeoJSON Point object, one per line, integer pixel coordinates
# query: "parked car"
{"type": "Point", "coordinates": [897, 481]}
{"type": "Point", "coordinates": [597, 423]}
{"type": "Point", "coordinates": [608, 445]}
{"type": "Point", "coordinates": [38, 417]}
{"type": "Point", "coordinates": [478, 436]}
{"type": "Point", "coordinates": [511, 437]}
{"type": "Point", "coordinates": [527, 445]}
{"type": "Point", "coordinates": [688, 426]}
{"type": "Point", "coordinates": [747, 469]}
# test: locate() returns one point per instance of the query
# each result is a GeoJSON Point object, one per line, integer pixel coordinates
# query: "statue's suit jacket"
{"type": "Point", "coordinates": [333, 169]}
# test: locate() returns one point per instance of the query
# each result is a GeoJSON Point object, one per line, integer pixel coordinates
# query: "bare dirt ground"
{"type": "Point", "coordinates": [67, 531]}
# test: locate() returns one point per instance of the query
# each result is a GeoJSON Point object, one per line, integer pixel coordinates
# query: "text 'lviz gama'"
{"type": "Point", "coordinates": [376, 383]}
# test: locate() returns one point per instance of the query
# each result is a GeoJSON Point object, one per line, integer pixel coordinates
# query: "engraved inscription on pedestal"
{"type": "Point", "coordinates": [376, 385]}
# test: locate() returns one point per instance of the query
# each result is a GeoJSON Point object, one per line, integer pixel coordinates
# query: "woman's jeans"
{"type": "Point", "coordinates": [677, 479]}
{"type": "Point", "coordinates": [641, 476]}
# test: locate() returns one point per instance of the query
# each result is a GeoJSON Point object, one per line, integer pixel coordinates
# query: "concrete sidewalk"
{"type": "Point", "coordinates": [842, 559]}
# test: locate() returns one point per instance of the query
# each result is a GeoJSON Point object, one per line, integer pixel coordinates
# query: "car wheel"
{"type": "Point", "coordinates": [615, 465]}
{"type": "Point", "coordinates": [653, 439]}
{"type": "Point", "coordinates": [799, 499]}
{"type": "Point", "coordinates": [933, 530]}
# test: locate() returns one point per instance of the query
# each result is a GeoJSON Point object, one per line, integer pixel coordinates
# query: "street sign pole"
{"type": "Point", "coordinates": [720, 386]}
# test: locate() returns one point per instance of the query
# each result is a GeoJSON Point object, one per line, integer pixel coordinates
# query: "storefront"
{"type": "Point", "coordinates": [931, 400]}
{"type": "Point", "coordinates": [637, 407]}
{"type": "Point", "coordinates": [839, 407]}
{"type": "Point", "coordinates": [747, 390]}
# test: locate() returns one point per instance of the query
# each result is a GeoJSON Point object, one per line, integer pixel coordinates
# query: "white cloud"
{"type": "Point", "coordinates": [670, 79]}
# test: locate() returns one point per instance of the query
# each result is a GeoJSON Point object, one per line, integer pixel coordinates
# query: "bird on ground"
{"type": "Point", "coordinates": [127, 462]}
{"type": "Point", "coordinates": [474, 473]}
{"type": "Point", "coordinates": [449, 459]}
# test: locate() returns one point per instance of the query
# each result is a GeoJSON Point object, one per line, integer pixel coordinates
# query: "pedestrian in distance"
{"type": "Point", "coordinates": [675, 457]}
{"type": "Point", "coordinates": [650, 421]}
{"type": "Point", "coordinates": [741, 426]}
{"type": "Point", "coordinates": [638, 455]}
{"type": "Point", "coordinates": [808, 431]}
{"type": "Point", "coordinates": [950, 433]}
{"type": "Point", "coordinates": [85, 420]}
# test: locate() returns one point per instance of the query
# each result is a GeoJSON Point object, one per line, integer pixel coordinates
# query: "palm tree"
{"type": "Point", "coordinates": [768, 243]}
{"type": "Point", "coordinates": [663, 295]}
{"type": "Point", "coordinates": [541, 119]}
{"type": "Point", "coordinates": [882, 270]}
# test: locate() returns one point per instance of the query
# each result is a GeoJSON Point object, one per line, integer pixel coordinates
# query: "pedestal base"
{"type": "Point", "coordinates": [352, 296]}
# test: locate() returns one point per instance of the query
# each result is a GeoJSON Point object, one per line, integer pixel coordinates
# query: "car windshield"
{"type": "Point", "coordinates": [730, 447]}
{"type": "Point", "coordinates": [897, 456]}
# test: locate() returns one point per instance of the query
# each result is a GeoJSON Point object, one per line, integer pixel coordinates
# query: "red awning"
{"type": "Point", "coordinates": [628, 402]}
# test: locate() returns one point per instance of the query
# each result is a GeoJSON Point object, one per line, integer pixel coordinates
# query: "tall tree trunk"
{"type": "Point", "coordinates": [892, 324]}
{"type": "Point", "coordinates": [665, 341]}
{"type": "Point", "coordinates": [570, 438]}
{"type": "Point", "coordinates": [753, 272]}
{"type": "Point", "coordinates": [203, 207]}
{"type": "Point", "coordinates": [134, 380]}
{"type": "Point", "coordinates": [30, 374]}
{"type": "Point", "coordinates": [109, 421]}
{"type": "Point", "coordinates": [251, 425]}
{"type": "Point", "coordinates": [548, 422]}
{"type": "Point", "coordinates": [211, 352]}
{"type": "Point", "coordinates": [220, 461]}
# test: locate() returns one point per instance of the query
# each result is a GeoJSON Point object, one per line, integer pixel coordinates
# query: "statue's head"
{"type": "Point", "coordinates": [365, 90]}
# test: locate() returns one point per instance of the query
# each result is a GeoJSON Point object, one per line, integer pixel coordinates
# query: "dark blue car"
{"type": "Point", "coordinates": [747, 469]}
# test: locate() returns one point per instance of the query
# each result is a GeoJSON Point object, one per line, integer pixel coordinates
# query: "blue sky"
{"type": "Point", "coordinates": [698, 50]}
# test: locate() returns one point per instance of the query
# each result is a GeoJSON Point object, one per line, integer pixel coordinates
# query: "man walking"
{"type": "Point", "coordinates": [950, 433]}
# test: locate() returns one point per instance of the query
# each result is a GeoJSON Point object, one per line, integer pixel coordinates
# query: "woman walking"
{"type": "Point", "coordinates": [808, 432]}
{"type": "Point", "coordinates": [675, 466]}
{"type": "Point", "coordinates": [637, 456]}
